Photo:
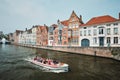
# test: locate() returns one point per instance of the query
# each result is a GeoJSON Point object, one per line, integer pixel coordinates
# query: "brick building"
{"type": "Point", "coordinates": [42, 35]}
{"type": "Point", "coordinates": [73, 29]}
{"type": "Point", "coordinates": [67, 33]}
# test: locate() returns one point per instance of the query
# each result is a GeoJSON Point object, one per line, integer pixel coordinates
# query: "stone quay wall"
{"type": "Point", "coordinates": [102, 52]}
{"type": "Point", "coordinates": [108, 52]}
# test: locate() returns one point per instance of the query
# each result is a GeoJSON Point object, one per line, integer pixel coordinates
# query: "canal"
{"type": "Point", "coordinates": [14, 67]}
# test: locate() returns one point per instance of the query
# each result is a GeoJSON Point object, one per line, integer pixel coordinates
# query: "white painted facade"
{"type": "Point", "coordinates": [23, 37]}
{"type": "Point", "coordinates": [28, 37]}
{"type": "Point", "coordinates": [33, 36]}
{"type": "Point", "coordinates": [107, 34]}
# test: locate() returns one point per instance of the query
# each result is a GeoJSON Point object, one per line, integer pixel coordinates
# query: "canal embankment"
{"type": "Point", "coordinates": [107, 52]}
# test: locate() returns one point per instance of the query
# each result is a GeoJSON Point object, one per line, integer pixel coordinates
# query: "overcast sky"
{"type": "Point", "coordinates": [21, 14]}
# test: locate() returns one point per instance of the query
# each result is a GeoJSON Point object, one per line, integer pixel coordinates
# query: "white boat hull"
{"type": "Point", "coordinates": [61, 68]}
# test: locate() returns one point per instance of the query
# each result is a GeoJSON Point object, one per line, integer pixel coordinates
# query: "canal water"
{"type": "Point", "coordinates": [14, 67]}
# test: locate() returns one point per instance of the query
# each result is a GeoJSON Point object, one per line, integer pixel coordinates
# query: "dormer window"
{"type": "Point", "coordinates": [115, 24]}
{"type": "Point", "coordinates": [108, 24]}
{"type": "Point", "coordinates": [94, 26]}
{"type": "Point", "coordinates": [85, 28]}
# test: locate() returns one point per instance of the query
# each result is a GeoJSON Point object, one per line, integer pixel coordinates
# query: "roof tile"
{"type": "Point", "coordinates": [100, 19]}
{"type": "Point", "coordinates": [65, 23]}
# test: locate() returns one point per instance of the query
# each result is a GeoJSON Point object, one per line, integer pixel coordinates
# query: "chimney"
{"type": "Point", "coordinates": [119, 15]}
{"type": "Point", "coordinates": [45, 25]}
{"type": "Point", "coordinates": [80, 17]}
{"type": "Point", "coordinates": [58, 21]}
{"type": "Point", "coordinates": [25, 29]}
{"type": "Point", "coordinates": [33, 26]}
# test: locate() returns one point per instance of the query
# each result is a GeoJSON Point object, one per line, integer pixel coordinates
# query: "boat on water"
{"type": "Point", "coordinates": [50, 64]}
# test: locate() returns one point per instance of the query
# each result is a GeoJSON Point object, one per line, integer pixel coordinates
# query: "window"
{"type": "Point", "coordinates": [73, 33]}
{"type": "Point", "coordinates": [73, 19]}
{"type": "Point", "coordinates": [85, 28]}
{"type": "Point", "coordinates": [84, 32]}
{"type": "Point", "coordinates": [94, 40]}
{"type": "Point", "coordinates": [64, 37]}
{"type": "Point", "coordinates": [115, 30]}
{"type": "Point", "coordinates": [51, 33]}
{"type": "Point", "coordinates": [76, 33]}
{"type": "Point", "coordinates": [115, 40]}
{"type": "Point", "coordinates": [89, 32]}
{"type": "Point", "coordinates": [75, 40]}
{"type": "Point", "coordinates": [94, 32]}
{"type": "Point", "coordinates": [65, 42]}
{"type": "Point", "coordinates": [115, 24]}
{"type": "Point", "coordinates": [108, 31]}
{"type": "Point", "coordinates": [94, 26]}
{"type": "Point", "coordinates": [77, 26]}
{"type": "Point", "coordinates": [64, 32]}
{"type": "Point", "coordinates": [73, 25]}
{"type": "Point", "coordinates": [80, 33]}
{"type": "Point", "coordinates": [69, 33]}
{"type": "Point", "coordinates": [108, 24]}
{"type": "Point", "coordinates": [108, 40]}
{"type": "Point", "coordinates": [55, 32]}
{"type": "Point", "coordinates": [100, 30]}
{"type": "Point", "coordinates": [60, 31]}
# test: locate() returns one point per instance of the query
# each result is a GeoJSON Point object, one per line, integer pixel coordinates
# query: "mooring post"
{"type": "Point", "coordinates": [94, 53]}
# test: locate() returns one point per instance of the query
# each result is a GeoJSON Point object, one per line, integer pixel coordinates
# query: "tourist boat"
{"type": "Point", "coordinates": [49, 64]}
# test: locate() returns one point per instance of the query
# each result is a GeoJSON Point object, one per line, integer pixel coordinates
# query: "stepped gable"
{"type": "Point", "coordinates": [74, 16]}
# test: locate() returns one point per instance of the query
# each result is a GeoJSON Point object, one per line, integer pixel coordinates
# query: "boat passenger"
{"type": "Point", "coordinates": [35, 58]}
{"type": "Point", "coordinates": [55, 62]}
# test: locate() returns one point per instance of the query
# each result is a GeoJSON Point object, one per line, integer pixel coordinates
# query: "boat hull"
{"type": "Point", "coordinates": [60, 68]}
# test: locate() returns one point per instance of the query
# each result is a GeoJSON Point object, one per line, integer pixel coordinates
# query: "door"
{"type": "Point", "coordinates": [101, 41]}
{"type": "Point", "coordinates": [85, 43]}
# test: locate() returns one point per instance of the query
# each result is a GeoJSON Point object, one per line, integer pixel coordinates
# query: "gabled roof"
{"type": "Point", "coordinates": [65, 22]}
{"type": "Point", "coordinates": [18, 31]}
{"type": "Point", "coordinates": [100, 20]}
{"type": "Point", "coordinates": [74, 14]}
{"type": "Point", "coordinates": [42, 27]}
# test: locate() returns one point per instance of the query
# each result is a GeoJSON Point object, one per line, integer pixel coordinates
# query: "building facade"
{"type": "Point", "coordinates": [101, 31]}
{"type": "Point", "coordinates": [28, 36]}
{"type": "Point", "coordinates": [67, 33]}
{"type": "Point", "coordinates": [16, 36]}
{"type": "Point", "coordinates": [51, 35]}
{"type": "Point", "coordinates": [42, 36]}
{"type": "Point", "coordinates": [10, 37]}
{"type": "Point", "coordinates": [73, 29]}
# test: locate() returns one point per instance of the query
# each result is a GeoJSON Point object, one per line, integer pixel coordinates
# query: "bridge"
{"type": "Point", "coordinates": [4, 41]}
